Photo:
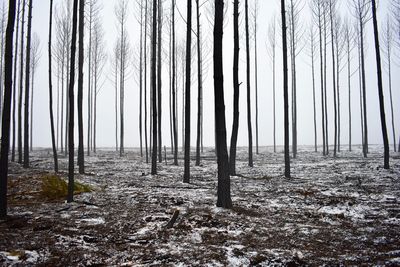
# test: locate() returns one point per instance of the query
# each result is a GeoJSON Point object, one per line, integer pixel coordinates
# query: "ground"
{"type": "Point", "coordinates": [333, 211]}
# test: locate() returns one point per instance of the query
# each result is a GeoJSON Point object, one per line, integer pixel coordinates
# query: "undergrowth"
{"type": "Point", "coordinates": [54, 187]}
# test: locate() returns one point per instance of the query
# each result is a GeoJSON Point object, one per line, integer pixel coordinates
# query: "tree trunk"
{"type": "Point", "coordinates": [174, 104]}
{"type": "Point", "coordinates": [224, 191]}
{"type": "Point", "coordinates": [200, 85]}
{"type": "Point", "coordinates": [325, 87]}
{"type": "Point", "coordinates": [14, 89]}
{"type": "Point", "coordinates": [364, 91]}
{"type": "Point", "coordinates": [349, 84]}
{"type": "Point", "coordinates": [256, 75]}
{"type": "Point", "coordinates": [81, 152]}
{"type": "Point", "coordinates": [89, 129]}
{"type": "Point", "coordinates": [236, 87]}
{"type": "Point", "coordinates": [27, 90]}
{"type": "Point", "coordinates": [380, 87]}
{"type": "Point", "coordinates": [186, 175]}
{"type": "Point", "coordinates": [313, 86]}
{"type": "Point", "coordinates": [285, 89]}
{"type": "Point", "coordinates": [322, 77]}
{"type": "Point", "coordinates": [145, 82]}
{"type": "Point", "coordinates": [141, 81]}
{"type": "Point", "coordinates": [333, 79]}
{"type": "Point", "coordinates": [249, 129]}
{"type": "Point", "coordinates": [5, 130]}
{"type": "Point", "coordinates": [159, 82]}
{"type": "Point", "coordinates": [21, 84]}
{"type": "Point", "coordinates": [294, 79]}
{"type": "Point", "coordinates": [70, 196]}
{"type": "Point", "coordinates": [153, 89]}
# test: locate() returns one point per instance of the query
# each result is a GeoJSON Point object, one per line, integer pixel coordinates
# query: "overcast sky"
{"type": "Point", "coordinates": [267, 9]}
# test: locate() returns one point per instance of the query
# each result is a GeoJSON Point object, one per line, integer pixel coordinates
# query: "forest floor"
{"type": "Point", "coordinates": [334, 211]}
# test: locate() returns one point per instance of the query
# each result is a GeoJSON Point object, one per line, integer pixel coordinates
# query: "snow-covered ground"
{"type": "Point", "coordinates": [342, 210]}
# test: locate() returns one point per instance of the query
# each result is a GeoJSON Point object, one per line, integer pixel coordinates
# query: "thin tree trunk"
{"type": "Point", "coordinates": [236, 87]}
{"type": "Point", "coordinates": [159, 82]}
{"type": "Point", "coordinates": [285, 89]}
{"type": "Point", "coordinates": [349, 85]}
{"type": "Point", "coordinates": [21, 85]}
{"type": "Point", "coordinates": [322, 79]}
{"type": "Point", "coordinates": [89, 129]}
{"type": "Point", "coordinates": [71, 151]}
{"type": "Point", "coordinates": [145, 83]}
{"type": "Point", "coordinates": [14, 90]}
{"type": "Point", "coordinates": [224, 191]}
{"type": "Point", "coordinates": [294, 81]}
{"type": "Point", "coordinates": [325, 88]}
{"type": "Point", "coordinates": [333, 79]}
{"type": "Point", "coordinates": [174, 98]}
{"type": "Point", "coordinates": [313, 86]}
{"type": "Point", "coordinates": [31, 107]}
{"type": "Point", "coordinates": [186, 175]}
{"type": "Point", "coordinates": [153, 90]}
{"type": "Point", "coordinates": [380, 87]}
{"type": "Point", "coordinates": [27, 90]}
{"type": "Point", "coordinates": [5, 130]}
{"type": "Point", "coordinates": [199, 83]}
{"type": "Point", "coordinates": [249, 129]}
{"type": "Point", "coordinates": [256, 76]}
{"type": "Point", "coordinates": [141, 81]}
{"type": "Point", "coordinates": [364, 90]}
{"type": "Point", "coordinates": [81, 152]}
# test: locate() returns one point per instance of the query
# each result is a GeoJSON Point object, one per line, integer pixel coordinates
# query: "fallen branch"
{"type": "Point", "coordinates": [171, 222]}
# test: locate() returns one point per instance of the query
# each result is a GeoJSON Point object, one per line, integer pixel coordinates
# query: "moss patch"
{"type": "Point", "coordinates": [54, 187]}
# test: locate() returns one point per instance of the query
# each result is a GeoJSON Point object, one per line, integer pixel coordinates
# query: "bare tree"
{"type": "Point", "coordinates": [35, 57]}
{"type": "Point", "coordinates": [249, 127]}
{"type": "Point", "coordinates": [285, 89]}
{"type": "Point", "coordinates": [53, 139]}
{"type": "Point", "coordinates": [380, 86]}
{"type": "Point", "coordinates": [396, 17]}
{"type": "Point", "coordinates": [70, 196]}
{"type": "Point", "coordinates": [199, 83]}
{"type": "Point", "coordinates": [5, 131]}
{"type": "Point", "coordinates": [14, 89]}
{"type": "Point", "coordinates": [313, 54]}
{"type": "Point", "coordinates": [255, 17]}
{"type": "Point", "coordinates": [159, 80]}
{"type": "Point", "coordinates": [317, 8]}
{"type": "Point", "coordinates": [21, 83]}
{"type": "Point", "coordinates": [272, 53]}
{"type": "Point", "coordinates": [186, 175]}
{"type": "Point", "coordinates": [295, 34]}
{"type": "Point", "coordinates": [121, 10]}
{"type": "Point", "coordinates": [81, 152]}
{"type": "Point", "coordinates": [387, 52]}
{"type": "Point", "coordinates": [27, 84]}
{"type": "Point", "coordinates": [174, 95]}
{"type": "Point", "coordinates": [153, 77]}
{"type": "Point", "coordinates": [236, 87]}
{"type": "Point", "coordinates": [361, 12]}
{"type": "Point", "coordinates": [224, 191]}
{"type": "Point", "coordinates": [3, 19]}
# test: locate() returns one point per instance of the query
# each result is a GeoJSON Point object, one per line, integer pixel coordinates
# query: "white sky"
{"type": "Point", "coordinates": [106, 115]}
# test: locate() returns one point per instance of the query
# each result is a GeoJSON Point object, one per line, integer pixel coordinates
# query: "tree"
{"type": "Point", "coordinates": [145, 80]}
{"type": "Point", "coordinates": [14, 89]}
{"type": "Point", "coordinates": [159, 80]}
{"type": "Point", "coordinates": [236, 87]}
{"type": "Point", "coordinates": [361, 13]}
{"type": "Point", "coordinates": [35, 56]}
{"type": "Point", "coordinates": [21, 84]}
{"type": "Point", "coordinates": [186, 175]}
{"type": "Point", "coordinates": [70, 196]}
{"type": "Point", "coordinates": [318, 16]}
{"type": "Point", "coordinates": [285, 89]}
{"type": "Point", "coordinates": [141, 23]}
{"type": "Point", "coordinates": [332, 10]}
{"type": "Point", "coordinates": [81, 152]}
{"type": "Point", "coordinates": [387, 51]}
{"type": "Point", "coordinates": [295, 35]}
{"type": "Point", "coordinates": [199, 84]}
{"type": "Point", "coordinates": [53, 141]}
{"type": "Point", "coordinates": [224, 194]}
{"type": "Point", "coordinates": [154, 88]}
{"type": "Point", "coordinates": [3, 14]}
{"type": "Point", "coordinates": [174, 102]}
{"type": "Point", "coordinates": [396, 17]}
{"type": "Point", "coordinates": [5, 130]}
{"type": "Point", "coordinates": [380, 86]}
{"type": "Point", "coordinates": [313, 48]}
{"type": "Point", "coordinates": [255, 16]}
{"type": "Point", "coordinates": [249, 127]}
{"type": "Point", "coordinates": [27, 90]}
{"type": "Point", "coordinates": [272, 54]}
{"type": "Point", "coordinates": [121, 10]}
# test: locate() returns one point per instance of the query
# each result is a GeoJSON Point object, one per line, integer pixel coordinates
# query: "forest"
{"type": "Point", "coordinates": [108, 157]}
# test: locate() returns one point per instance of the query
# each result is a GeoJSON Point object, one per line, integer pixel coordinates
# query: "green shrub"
{"type": "Point", "coordinates": [54, 187]}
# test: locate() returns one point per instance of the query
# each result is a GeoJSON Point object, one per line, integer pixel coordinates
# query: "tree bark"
{"type": "Point", "coordinates": [14, 89]}
{"type": "Point", "coordinates": [70, 196]}
{"type": "Point", "coordinates": [285, 89]}
{"type": "Point", "coordinates": [249, 127]}
{"type": "Point", "coordinates": [380, 87]}
{"type": "Point", "coordinates": [186, 175]}
{"type": "Point", "coordinates": [81, 152]}
{"type": "Point", "coordinates": [200, 85]}
{"type": "Point", "coordinates": [5, 130]}
{"type": "Point", "coordinates": [27, 90]}
{"type": "Point", "coordinates": [174, 104]}
{"type": "Point", "coordinates": [153, 89]}
{"type": "Point", "coordinates": [21, 85]}
{"type": "Point", "coordinates": [224, 191]}
{"type": "Point", "coordinates": [236, 87]}
{"type": "Point", "coordinates": [159, 82]}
